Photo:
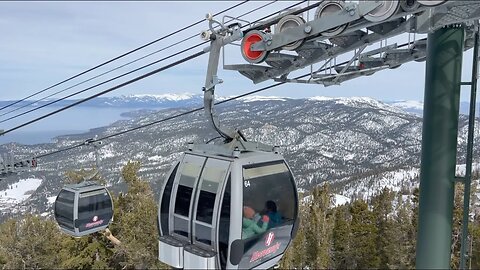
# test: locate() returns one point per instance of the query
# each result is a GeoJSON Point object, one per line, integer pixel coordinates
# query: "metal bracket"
{"type": "Point", "coordinates": [350, 62]}
{"type": "Point", "coordinates": [378, 51]}
{"type": "Point", "coordinates": [233, 148]}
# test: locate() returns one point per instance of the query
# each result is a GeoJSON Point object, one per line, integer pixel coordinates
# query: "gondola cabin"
{"type": "Point", "coordinates": [227, 209]}
{"type": "Point", "coordinates": [82, 209]}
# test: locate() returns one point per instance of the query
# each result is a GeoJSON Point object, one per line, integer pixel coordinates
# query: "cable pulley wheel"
{"type": "Point", "coordinates": [327, 8]}
{"type": "Point", "coordinates": [286, 22]}
{"type": "Point", "coordinates": [248, 40]}
{"type": "Point", "coordinates": [409, 5]}
{"type": "Point", "coordinates": [431, 3]}
{"type": "Point", "coordinates": [387, 9]}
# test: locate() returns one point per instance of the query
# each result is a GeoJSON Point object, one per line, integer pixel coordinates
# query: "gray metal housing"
{"type": "Point", "coordinates": [185, 252]}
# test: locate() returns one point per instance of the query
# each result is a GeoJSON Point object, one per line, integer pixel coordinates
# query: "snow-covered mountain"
{"type": "Point", "coordinates": [412, 106]}
{"type": "Point", "coordinates": [416, 107]}
{"type": "Point", "coordinates": [343, 141]}
{"type": "Point", "coordinates": [133, 101]}
{"type": "Point", "coordinates": [147, 101]}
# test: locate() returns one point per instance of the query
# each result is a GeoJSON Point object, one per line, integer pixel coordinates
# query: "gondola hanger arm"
{"type": "Point", "coordinates": [218, 38]}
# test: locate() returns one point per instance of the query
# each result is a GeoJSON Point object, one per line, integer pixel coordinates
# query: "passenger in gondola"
{"type": "Point", "coordinates": [249, 226]}
{"type": "Point", "coordinates": [271, 211]}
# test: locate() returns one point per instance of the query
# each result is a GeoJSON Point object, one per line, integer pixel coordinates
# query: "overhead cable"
{"type": "Point", "coordinates": [116, 68]}
{"type": "Point", "coordinates": [169, 118]}
{"type": "Point", "coordinates": [191, 111]}
{"type": "Point", "coordinates": [162, 120]}
{"type": "Point", "coordinates": [101, 93]}
{"type": "Point", "coordinates": [107, 91]}
{"type": "Point", "coordinates": [121, 56]}
{"type": "Point", "coordinates": [92, 78]}
{"type": "Point", "coordinates": [102, 83]}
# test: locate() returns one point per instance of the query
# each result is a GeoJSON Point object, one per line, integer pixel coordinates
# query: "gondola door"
{"type": "Point", "coordinates": [183, 191]}
{"type": "Point", "coordinates": [178, 234]}
{"type": "Point", "coordinates": [207, 202]}
{"type": "Point", "coordinates": [203, 251]}
{"type": "Point", "coordinates": [197, 191]}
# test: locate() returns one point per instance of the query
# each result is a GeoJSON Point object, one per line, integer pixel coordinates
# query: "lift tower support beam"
{"type": "Point", "coordinates": [439, 147]}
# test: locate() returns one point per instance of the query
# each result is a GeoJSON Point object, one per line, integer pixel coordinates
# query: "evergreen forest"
{"type": "Point", "coordinates": [378, 233]}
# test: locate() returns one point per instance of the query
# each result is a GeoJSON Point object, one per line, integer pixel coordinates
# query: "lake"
{"type": "Point", "coordinates": [72, 121]}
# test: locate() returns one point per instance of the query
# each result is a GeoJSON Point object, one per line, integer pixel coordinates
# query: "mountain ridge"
{"type": "Point", "coordinates": [153, 101]}
{"type": "Point", "coordinates": [332, 140]}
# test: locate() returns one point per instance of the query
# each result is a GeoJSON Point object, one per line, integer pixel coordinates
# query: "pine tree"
{"type": "Point", "coordinates": [383, 210]}
{"type": "Point", "coordinates": [475, 245]}
{"type": "Point", "coordinates": [412, 235]}
{"type": "Point", "coordinates": [342, 238]}
{"type": "Point", "coordinates": [318, 229]}
{"type": "Point", "coordinates": [85, 253]}
{"type": "Point", "coordinates": [312, 246]}
{"type": "Point", "coordinates": [135, 223]}
{"type": "Point", "coordinates": [458, 219]}
{"type": "Point", "coordinates": [457, 227]}
{"type": "Point", "coordinates": [364, 234]}
{"type": "Point", "coordinates": [403, 232]}
{"type": "Point", "coordinates": [29, 243]}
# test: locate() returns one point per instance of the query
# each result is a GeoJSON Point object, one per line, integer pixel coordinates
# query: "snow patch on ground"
{"type": "Point", "coordinates": [320, 98]}
{"type": "Point", "coordinates": [18, 192]}
{"type": "Point", "coordinates": [461, 169]}
{"type": "Point", "coordinates": [336, 200]}
{"type": "Point", "coordinates": [107, 153]}
{"type": "Point", "coordinates": [173, 97]}
{"type": "Point", "coordinates": [370, 186]}
{"type": "Point", "coordinates": [358, 102]}
{"type": "Point", "coordinates": [262, 98]}
{"type": "Point", "coordinates": [51, 199]}
{"type": "Point", "coordinates": [327, 154]}
{"type": "Point", "coordinates": [339, 200]}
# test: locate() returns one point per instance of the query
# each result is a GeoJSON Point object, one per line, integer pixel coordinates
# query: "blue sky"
{"type": "Point", "coordinates": [45, 42]}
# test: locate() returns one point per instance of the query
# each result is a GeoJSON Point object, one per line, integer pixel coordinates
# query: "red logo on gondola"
{"type": "Point", "coordinates": [270, 249]}
{"type": "Point", "coordinates": [269, 239]}
{"type": "Point", "coordinates": [95, 222]}
{"type": "Point", "coordinates": [266, 252]}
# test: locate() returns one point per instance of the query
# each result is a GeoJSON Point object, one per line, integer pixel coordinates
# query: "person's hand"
{"type": "Point", "coordinates": [265, 219]}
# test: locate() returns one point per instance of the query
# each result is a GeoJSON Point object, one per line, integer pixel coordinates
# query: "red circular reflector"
{"type": "Point", "coordinates": [248, 41]}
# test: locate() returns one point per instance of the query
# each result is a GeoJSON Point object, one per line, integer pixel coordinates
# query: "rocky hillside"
{"type": "Point", "coordinates": [323, 139]}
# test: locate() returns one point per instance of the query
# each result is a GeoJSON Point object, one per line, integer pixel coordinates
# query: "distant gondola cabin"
{"type": "Point", "coordinates": [82, 209]}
